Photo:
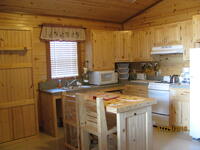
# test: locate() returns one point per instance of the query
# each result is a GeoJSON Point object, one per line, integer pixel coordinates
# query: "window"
{"type": "Point", "coordinates": [63, 59]}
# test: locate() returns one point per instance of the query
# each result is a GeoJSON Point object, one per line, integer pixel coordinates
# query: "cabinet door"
{"type": "Point", "coordinates": [196, 28]}
{"type": "Point", "coordinates": [179, 107]}
{"type": "Point", "coordinates": [6, 128]}
{"type": "Point", "coordinates": [122, 45]}
{"type": "Point", "coordinates": [146, 45]}
{"type": "Point", "coordinates": [159, 36]}
{"type": "Point", "coordinates": [142, 45]}
{"type": "Point", "coordinates": [167, 35]}
{"type": "Point", "coordinates": [137, 129]}
{"type": "Point", "coordinates": [119, 46]}
{"type": "Point", "coordinates": [127, 45]}
{"type": "Point", "coordinates": [135, 53]}
{"type": "Point", "coordinates": [187, 38]}
{"type": "Point", "coordinates": [103, 54]}
{"type": "Point", "coordinates": [172, 34]}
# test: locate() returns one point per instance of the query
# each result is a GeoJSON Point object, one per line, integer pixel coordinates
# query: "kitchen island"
{"type": "Point", "coordinates": [134, 119]}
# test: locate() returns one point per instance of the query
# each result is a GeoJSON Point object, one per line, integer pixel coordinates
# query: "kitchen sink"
{"type": "Point", "coordinates": [76, 87]}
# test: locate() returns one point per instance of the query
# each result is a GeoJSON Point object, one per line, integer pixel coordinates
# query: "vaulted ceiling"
{"type": "Point", "coordinates": [103, 10]}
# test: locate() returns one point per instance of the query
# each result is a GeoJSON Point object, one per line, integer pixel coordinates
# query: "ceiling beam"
{"type": "Point", "coordinates": [142, 11]}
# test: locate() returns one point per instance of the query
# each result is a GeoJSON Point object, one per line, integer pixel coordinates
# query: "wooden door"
{"type": "Point", "coordinates": [179, 107]}
{"type": "Point", "coordinates": [196, 28]}
{"type": "Point", "coordinates": [187, 38]}
{"type": "Point", "coordinates": [146, 45]}
{"type": "Point", "coordinates": [16, 82]}
{"type": "Point", "coordinates": [102, 48]}
{"type": "Point", "coordinates": [127, 46]}
{"type": "Point", "coordinates": [142, 45]}
{"type": "Point", "coordinates": [172, 34]}
{"type": "Point", "coordinates": [137, 129]}
{"type": "Point", "coordinates": [158, 36]}
{"type": "Point", "coordinates": [135, 53]}
{"type": "Point", "coordinates": [119, 46]}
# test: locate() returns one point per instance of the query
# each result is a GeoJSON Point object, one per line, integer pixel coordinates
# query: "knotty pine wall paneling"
{"type": "Point", "coordinates": [164, 13]}
{"type": "Point", "coordinates": [167, 11]}
{"type": "Point", "coordinates": [21, 72]}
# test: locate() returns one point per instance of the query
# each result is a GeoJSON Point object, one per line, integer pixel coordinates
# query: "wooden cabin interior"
{"type": "Point", "coordinates": [52, 50]}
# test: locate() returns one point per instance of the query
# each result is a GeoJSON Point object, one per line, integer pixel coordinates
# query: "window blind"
{"type": "Point", "coordinates": [64, 59]}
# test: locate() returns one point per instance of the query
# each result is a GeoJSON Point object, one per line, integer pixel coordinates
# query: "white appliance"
{"type": "Point", "coordinates": [172, 49]}
{"type": "Point", "coordinates": [160, 111]}
{"type": "Point", "coordinates": [194, 93]}
{"type": "Point", "coordinates": [141, 76]}
{"type": "Point", "coordinates": [103, 77]}
{"type": "Point", "coordinates": [166, 79]}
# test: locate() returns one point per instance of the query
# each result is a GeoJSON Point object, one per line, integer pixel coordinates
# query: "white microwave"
{"type": "Point", "coordinates": [103, 77]}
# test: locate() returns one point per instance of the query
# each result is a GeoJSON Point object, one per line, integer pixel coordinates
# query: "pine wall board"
{"type": "Point", "coordinates": [20, 73]}
{"type": "Point", "coordinates": [167, 11]}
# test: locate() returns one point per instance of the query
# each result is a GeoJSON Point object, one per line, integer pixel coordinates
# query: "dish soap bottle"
{"type": "Point", "coordinates": [59, 84]}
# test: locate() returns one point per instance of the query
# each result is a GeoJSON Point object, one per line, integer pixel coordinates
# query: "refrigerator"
{"type": "Point", "coordinates": [195, 93]}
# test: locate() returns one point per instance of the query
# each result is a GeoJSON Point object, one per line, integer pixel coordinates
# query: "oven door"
{"type": "Point", "coordinates": [162, 97]}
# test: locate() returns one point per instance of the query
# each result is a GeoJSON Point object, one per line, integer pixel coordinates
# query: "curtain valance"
{"type": "Point", "coordinates": [52, 33]}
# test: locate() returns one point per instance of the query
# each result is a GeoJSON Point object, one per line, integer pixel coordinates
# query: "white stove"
{"type": "Point", "coordinates": [160, 111]}
{"type": "Point", "coordinates": [164, 86]}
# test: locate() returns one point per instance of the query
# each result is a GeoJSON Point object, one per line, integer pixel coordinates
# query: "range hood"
{"type": "Point", "coordinates": [172, 49]}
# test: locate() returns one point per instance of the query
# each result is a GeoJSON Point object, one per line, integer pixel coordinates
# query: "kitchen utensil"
{"type": "Point", "coordinates": [174, 79]}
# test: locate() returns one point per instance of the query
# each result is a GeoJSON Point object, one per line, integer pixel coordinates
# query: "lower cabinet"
{"type": "Point", "coordinates": [71, 128]}
{"type": "Point", "coordinates": [138, 129]}
{"type": "Point", "coordinates": [136, 90]}
{"type": "Point", "coordinates": [180, 107]}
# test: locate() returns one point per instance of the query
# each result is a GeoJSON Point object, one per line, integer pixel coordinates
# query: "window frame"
{"type": "Point", "coordinates": [49, 61]}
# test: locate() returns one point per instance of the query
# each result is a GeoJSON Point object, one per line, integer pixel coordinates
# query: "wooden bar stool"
{"type": "Point", "coordinates": [93, 120]}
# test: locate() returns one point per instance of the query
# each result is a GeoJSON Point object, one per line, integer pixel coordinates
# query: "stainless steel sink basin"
{"type": "Point", "coordinates": [76, 87]}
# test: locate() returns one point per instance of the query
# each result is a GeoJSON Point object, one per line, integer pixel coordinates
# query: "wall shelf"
{"type": "Point", "coordinates": [15, 49]}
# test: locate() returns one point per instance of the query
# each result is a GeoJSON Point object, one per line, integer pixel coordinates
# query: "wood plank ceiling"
{"type": "Point", "coordinates": [116, 11]}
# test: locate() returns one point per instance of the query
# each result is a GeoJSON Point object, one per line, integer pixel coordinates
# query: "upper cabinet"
{"type": "Point", "coordinates": [167, 35]}
{"type": "Point", "coordinates": [196, 28]}
{"type": "Point", "coordinates": [122, 46]}
{"type": "Point", "coordinates": [187, 37]}
{"type": "Point", "coordinates": [142, 45]}
{"type": "Point", "coordinates": [99, 50]}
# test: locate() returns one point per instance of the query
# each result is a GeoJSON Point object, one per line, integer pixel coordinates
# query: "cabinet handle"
{"type": "Point", "coordinates": [135, 114]}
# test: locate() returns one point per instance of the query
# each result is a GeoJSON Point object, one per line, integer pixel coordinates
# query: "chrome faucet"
{"type": "Point", "coordinates": [69, 83]}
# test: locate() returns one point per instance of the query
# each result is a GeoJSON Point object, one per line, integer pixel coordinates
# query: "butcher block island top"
{"type": "Point", "coordinates": [118, 103]}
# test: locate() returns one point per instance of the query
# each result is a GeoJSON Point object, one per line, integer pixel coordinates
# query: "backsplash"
{"type": "Point", "coordinates": [168, 64]}
{"type": "Point", "coordinates": [172, 64]}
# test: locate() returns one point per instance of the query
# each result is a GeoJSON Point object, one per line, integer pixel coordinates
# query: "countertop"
{"type": "Point", "coordinates": [122, 103]}
{"type": "Point", "coordinates": [92, 87]}
{"type": "Point", "coordinates": [95, 87]}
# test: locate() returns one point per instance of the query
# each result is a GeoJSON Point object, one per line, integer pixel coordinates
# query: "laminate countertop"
{"type": "Point", "coordinates": [95, 87]}
{"type": "Point", "coordinates": [90, 87]}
